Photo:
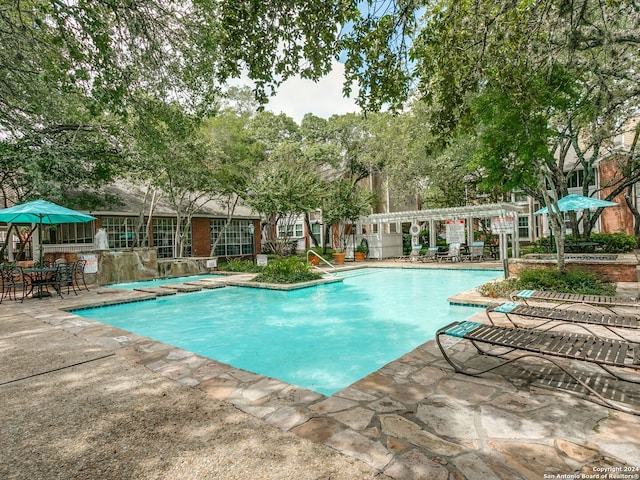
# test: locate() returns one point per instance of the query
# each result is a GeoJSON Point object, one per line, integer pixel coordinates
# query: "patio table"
{"type": "Point", "coordinates": [40, 279]}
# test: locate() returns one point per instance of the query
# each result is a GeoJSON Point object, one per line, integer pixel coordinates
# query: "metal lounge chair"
{"type": "Point", "coordinates": [562, 298]}
{"type": "Point", "coordinates": [520, 343]}
{"type": "Point", "coordinates": [453, 255]}
{"type": "Point", "coordinates": [430, 256]}
{"type": "Point", "coordinates": [476, 252]}
{"type": "Point", "coordinates": [585, 318]}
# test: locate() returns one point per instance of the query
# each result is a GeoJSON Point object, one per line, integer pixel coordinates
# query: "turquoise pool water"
{"type": "Point", "coordinates": [322, 338]}
{"type": "Point", "coordinates": [160, 281]}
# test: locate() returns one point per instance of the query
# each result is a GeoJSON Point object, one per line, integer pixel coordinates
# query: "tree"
{"type": "Point", "coordinates": [343, 203]}
{"type": "Point", "coordinates": [239, 155]}
{"type": "Point", "coordinates": [282, 189]}
{"type": "Point", "coordinates": [100, 58]}
{"type": "Point", "coordinates": [570, 80]}
{"type": "Point", "coordinates": [177, 159]}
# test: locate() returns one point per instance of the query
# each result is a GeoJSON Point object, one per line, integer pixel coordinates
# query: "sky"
{"type": "Point", "coordinates": [297, 97]}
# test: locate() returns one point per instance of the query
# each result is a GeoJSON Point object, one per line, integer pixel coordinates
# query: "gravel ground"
{"type": "Point", "coordinates": [110, 419]}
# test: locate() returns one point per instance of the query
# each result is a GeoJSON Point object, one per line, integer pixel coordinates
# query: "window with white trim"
{"type": "Point", "coordinates": [235, 240]}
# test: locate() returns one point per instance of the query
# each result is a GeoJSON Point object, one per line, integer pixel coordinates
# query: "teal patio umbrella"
{"type": "Point", "coordinates": [577, 202]}
{"type": "Point", "coordinates": [42, 213]}
{"type": "Point", "coordinates": [574, 202]}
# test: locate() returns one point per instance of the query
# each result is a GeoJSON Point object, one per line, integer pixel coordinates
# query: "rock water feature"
{"type": "Point", "coordinates": [130, 265]}
{"type": "Point", "coordinates": [116, 266]}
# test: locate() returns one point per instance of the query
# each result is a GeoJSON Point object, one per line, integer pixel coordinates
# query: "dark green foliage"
{"type": "Point", "coordinates": [577, 281]}
{"type": "Point", "coordinates": [287, 270]}
{"type": "Point", "coordinates": [615, 242]}
{"type": "Point", "coordinates": [236, 265]}
{"type": "Point", "coordinates": [608, 243]}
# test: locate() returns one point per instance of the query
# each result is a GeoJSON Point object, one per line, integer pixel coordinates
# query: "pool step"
{"type": "Point", "coordinates": [160, 292]}
{"type": "Point", "coordinates": [207, 284]}
{"type": "Point", "coordinates": [181, 287]}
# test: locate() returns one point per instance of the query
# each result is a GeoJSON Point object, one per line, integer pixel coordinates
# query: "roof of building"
{"type": "Point", "coordinates": [135, 196]}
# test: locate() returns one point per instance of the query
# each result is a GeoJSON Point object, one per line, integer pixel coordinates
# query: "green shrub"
{"type": "Point", "coordinates": [615, 242]}
{"type": "Point", "coordinates": [576, 281]}
{"type": "Point", "coordinates": [498, 289]}
{"type": "Point", "coordinates": [287, 270]}
{"type": "Point", "coordinates": [237, 265]}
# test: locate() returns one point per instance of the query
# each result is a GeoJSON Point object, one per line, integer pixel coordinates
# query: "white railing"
{"type": "Point", "coordinates": [311, 252]}
{"type": "Point", "coordinates": [68, 247]}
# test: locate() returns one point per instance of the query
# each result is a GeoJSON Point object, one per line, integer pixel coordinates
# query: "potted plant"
{"type": "Point", "coordinates": [314, 260]}
{"type": "Point", "coordinates": [361, 252]}
{"type": "Point", "coordinates": [338, 256]}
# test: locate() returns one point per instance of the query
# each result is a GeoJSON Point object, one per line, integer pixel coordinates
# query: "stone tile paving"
{"type": "Point", "coordinates": [412, 419]}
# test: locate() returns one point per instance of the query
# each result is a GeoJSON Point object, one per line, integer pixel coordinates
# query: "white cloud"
{"type": "Point", "coordinates": [297, 97]}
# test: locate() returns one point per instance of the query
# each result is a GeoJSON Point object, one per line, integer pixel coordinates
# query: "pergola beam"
{"type": "Point", "coordinates": [473, 211]}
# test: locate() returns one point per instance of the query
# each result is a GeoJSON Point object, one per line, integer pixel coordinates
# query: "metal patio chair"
{"type": "Point", "coordinates": [78, 280]}
{"type": "Point", "coordinates": [13, 280]}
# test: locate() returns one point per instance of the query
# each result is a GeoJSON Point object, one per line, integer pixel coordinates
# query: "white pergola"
{"type": "Point", "coordinates": [467, 213]}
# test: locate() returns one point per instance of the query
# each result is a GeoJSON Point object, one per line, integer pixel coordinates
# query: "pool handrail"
{"type": "Point", "coordinates": [312, 252]}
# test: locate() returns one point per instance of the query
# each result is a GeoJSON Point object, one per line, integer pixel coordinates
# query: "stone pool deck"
{"type": "Point", "coordinates": [412, 419]}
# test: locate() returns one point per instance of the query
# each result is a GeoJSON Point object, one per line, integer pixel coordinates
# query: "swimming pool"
{"type": "Point", "coordinates": [157, 282]}
{"type": "Point", "coordinates": [322, 338]}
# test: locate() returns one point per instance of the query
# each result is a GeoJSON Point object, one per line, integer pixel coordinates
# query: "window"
{"type": "Point", "coordinates": [576, 179]}
{"type": "Point", "coordinates": [70, 233]}
{"type": "Point", "coordinates": [523, 227]}
{"type": "Point", "coordinates": [163, 231]}
{"type": "Point", "coordinates": [520, 197]}
{"type": "Point", "coordinates": [294, 230]}
{"type": "Point", "coordinates": [316, 231]}
{"type": "Point", "coordinates": [122, 232]}
{"type": "Point", "coordinates": [236, 239]}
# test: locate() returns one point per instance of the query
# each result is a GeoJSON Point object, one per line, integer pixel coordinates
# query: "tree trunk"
{"type": "Point", "coordinates": [307, 222]}
{"type": "Point", "coordinates": [634, 211]}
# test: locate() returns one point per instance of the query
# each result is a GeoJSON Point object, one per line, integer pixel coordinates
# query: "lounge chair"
{"type": "Point", "coordinates": [585, 318]}
{"type": "Point", "coordinates": [476, 252]}
{"type": "Point", "coordinates": [562, 298]}
{"type": "Point", "coordinates": [453, 255]}
{"type": "Point", "coordinates": [413, 256]}
{"type": "Point", "coordinates": [430, 256]}
{"type": "Point", "coordinates": [520, 343]}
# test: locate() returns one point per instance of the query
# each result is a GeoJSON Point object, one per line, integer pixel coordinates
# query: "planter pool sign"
{"type": "Point", "coordinates": [455, 231]}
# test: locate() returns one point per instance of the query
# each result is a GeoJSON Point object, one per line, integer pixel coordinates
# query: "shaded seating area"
{"type": "Point", "coordinates": [566, 351]}
{"type": "Point", "coordinates": [35, 282]}
{"type": "Point", "coordinates": [562, 298]}
{"type": "Point", "coordinates": [547, 315]}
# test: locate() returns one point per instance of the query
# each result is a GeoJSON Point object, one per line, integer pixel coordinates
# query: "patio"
{"type": "Point", "coordinates": [137, 408]}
